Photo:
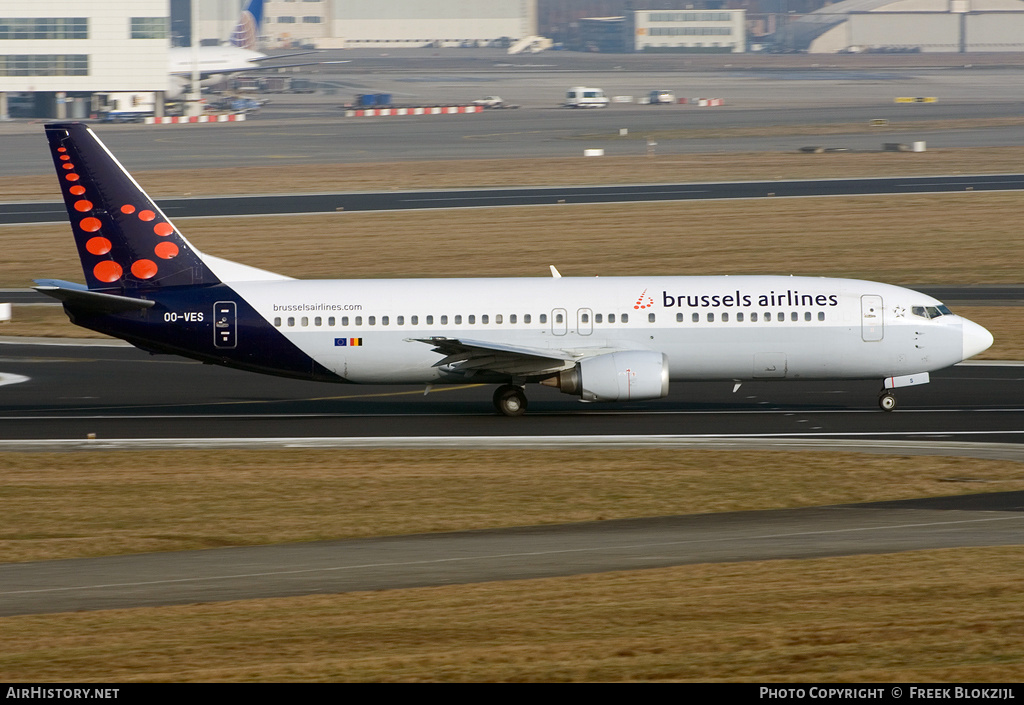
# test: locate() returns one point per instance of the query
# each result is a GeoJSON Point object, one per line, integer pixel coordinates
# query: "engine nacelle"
{"type": "Point", "coordinates": [618, 376]}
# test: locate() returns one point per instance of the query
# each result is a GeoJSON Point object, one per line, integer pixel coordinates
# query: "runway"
{"type": "Point", "coordinates": [118, 392]}
{"type": "Point", "coordinates": [521, 553]}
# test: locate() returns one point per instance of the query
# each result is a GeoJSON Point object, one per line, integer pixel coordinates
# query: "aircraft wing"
{"type": "Point", "coordinates": [207, 73]}
{"type": "Point", "coordinates": [469, 356]}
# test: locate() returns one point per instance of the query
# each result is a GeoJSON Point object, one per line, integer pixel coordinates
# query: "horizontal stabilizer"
{"type": "Point", "coordinates": [86, 300]}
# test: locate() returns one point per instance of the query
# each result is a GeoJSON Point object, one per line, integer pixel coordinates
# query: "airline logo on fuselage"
{"type": "Point", "coordinates": [643, 301]}
{"type": "Point", "coordinates": [790, 297]}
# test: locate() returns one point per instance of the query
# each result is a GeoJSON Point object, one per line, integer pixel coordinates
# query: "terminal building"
{"type": "Point", "coordinates": [55, 55]}
{"type": "Point", "coordinates": [398, 23]}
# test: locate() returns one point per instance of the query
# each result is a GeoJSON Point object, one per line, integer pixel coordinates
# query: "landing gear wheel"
{"type": "Point", "coordinates": [510, 400]}
{"type": "Point", "coordinates": [887, 401]}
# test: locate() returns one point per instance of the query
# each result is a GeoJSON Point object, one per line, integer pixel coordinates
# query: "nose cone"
{"type": "Point", "coordinates": [976, 339]}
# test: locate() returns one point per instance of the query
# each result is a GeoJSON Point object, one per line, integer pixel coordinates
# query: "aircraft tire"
{"type": "Point", "coordinates": [887, 402]}
{"type": "Point", "coordinates": [510, 400]}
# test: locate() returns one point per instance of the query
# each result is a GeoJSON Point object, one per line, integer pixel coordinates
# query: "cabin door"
{"type": "Point", "coordinates": [871, 324]}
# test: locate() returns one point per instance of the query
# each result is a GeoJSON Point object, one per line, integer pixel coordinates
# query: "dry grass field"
{"type": "Point", "coordinates": [948, 615]}
{"type": "Point", "coordinates": [925, 616]}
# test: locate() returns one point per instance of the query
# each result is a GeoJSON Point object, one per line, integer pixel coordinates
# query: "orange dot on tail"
{"type": "Point", "coordinates": [144, 268]}
{"type": "Point", "coordinates": [65, 158]}
{"type": "Point", "coordinates": [83, 206]}
{"type": "Point", "coordinates": [71, 177]}
{"type": "Point", "coordinates": [62, 149]}
{"type": "Point", "coordinates": [128, 210]}
{"type": "Point", "coordinates": [165, 250]}
{"type": "Point", "coordinates": [68, 166]}
{"type": "Point", "coordinates": [146, 215]}
{"type": "Point", "coordinates": [77, 190]}
{"type": "Point", "coordinates": [107, 271]}
{"type": "Point", "coordinates": [98, 245]}
{"type": "Point", "coordinates": [163, 229]}
{"type": "Point", "coordinates": [90, 225]}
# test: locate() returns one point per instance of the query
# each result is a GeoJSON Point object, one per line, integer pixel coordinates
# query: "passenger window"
{"type": "Point", "coordinates": [305, 321]}
{"type": "Point", "coordinates": [372, 320]}
{"type": "Point", "coordinates": [753, 317]}
{"type": "Point", "coordinates": [330, 321]}
{"type": "Point", "coordinates": [739, 316]}
{"type": "Point", "coordinates": [625, 318]}
{"type": "Point", "coordinates": [585, 317]}
{"type": "Point", "coordinates": [472, 319]}
{"type": "Point", "coordinates": [344, 320]}
{"type": "Point", "coordinates": [359, 320]}
{"type": "Point", "coordinates": [767, 315]}
{"type": "Point", "coordinates": [711, 318]}
{"type": "Point", "coordinates": [611, 318]}
{"type": "Point", "coordinates": [484, 318]}
{"type": "Point", "coordinates": [794, 316]}
{"type": "Point", "coordinates": [807, 315]}
{"type": "Point", "coordinates": [527, 318]}
{"type": "Point", "coordinates": [650, 318]}
{"type": "Point", "coordinates": [400, 320]}
{"type": "Point", "coordinates": [543, 318]}
{"type": "Point", "coordinates": [821, 315]}
{"type": "Point", "coordinates": [559, 318]}
{"type": "Point", "coordinates": [679, 318]}
{"type": "Point", "coordinates": [291, 320]}
{"type": "Point", "coordinates": [318, 321]}
{"type": "Point", "coordinates": [511, 318]}
{"type": "Point", "coordinates": [444, 320]}
{"type": "Point", "coordinates": [497, 318]}
{"type": "Point", "coordinates": [598, 318]}
{"type": "Point", "coordinates": [277, 321]}
{"type": "Point", "coordinates": [695, 317]}
{"type": "Point", "coordinates": [781, 317]}
{"type": "Point", "coordinates": [458, 319]}
{"type": "Point", "coordinates": [384, 320]}
{"type": "Point", "coordinates": [725, 317]}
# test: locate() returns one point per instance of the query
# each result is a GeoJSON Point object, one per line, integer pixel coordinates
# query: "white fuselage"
{"type": "Point", "coordinates": [714, 327]}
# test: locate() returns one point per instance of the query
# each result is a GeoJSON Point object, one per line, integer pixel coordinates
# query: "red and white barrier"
{"type": "Point", "coordinates": [233, 117]}
{"type": "Point", "coordinates": [708, 102]}
{"type": "Point", "coordinates": [387, 112]}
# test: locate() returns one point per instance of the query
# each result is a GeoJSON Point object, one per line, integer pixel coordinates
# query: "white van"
{"type": "Point", "coordinates": [583, 97]}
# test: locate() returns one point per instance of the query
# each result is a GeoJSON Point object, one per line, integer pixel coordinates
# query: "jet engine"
{"type": "Point", "coordinates": [617, 376]}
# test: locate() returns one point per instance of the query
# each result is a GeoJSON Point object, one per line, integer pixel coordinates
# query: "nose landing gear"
{"type": "Point", "coordinates": [887, 400]}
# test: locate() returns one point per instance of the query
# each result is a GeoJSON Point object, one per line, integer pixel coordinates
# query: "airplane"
{"type": "Point", "coordinates": [599, 339]}
{"type": "Point", "coordinates": [214, 63]}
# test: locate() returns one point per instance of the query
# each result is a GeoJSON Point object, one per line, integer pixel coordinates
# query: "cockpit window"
{"type": "Point", "coordinates": [931, 311]}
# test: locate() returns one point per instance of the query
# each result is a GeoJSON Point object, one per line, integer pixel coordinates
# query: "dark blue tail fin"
{"type": "Point", "coordinates": [124, 240]}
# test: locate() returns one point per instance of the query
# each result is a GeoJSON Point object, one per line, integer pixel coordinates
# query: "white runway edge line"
{"type": "Point", "coordinates": [848, 442]}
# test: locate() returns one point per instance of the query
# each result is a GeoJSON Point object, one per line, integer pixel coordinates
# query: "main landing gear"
{"type": "Point", "coordinates": [510, 400]}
